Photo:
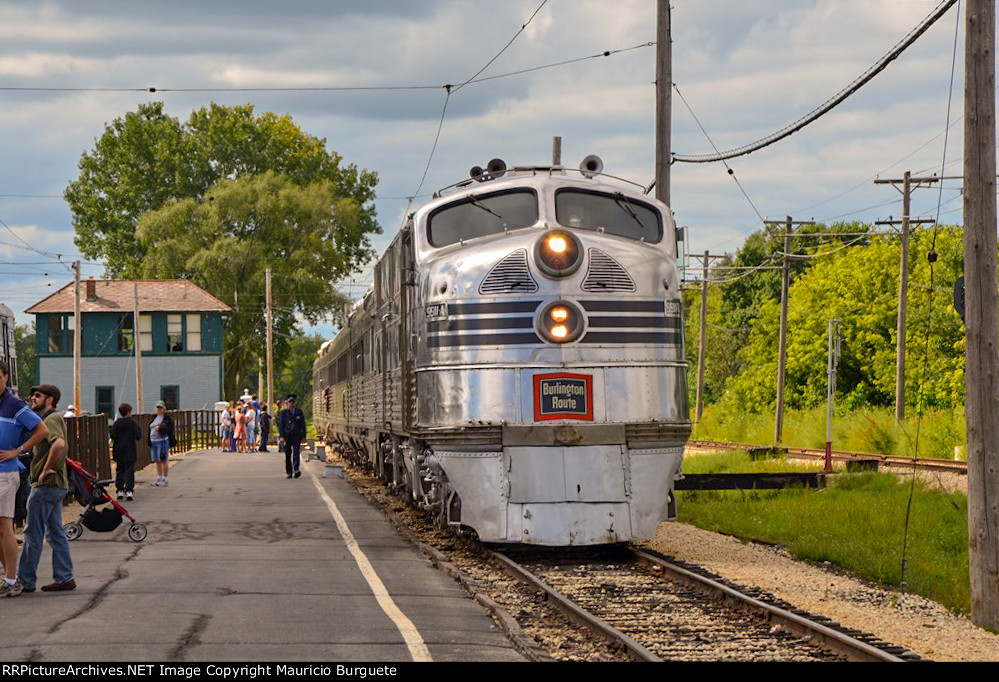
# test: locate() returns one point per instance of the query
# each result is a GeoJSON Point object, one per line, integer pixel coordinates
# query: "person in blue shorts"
{"type": "Point", "coordinates": [20, 430]}
{"type": "Point", "coordinates": [160, 439]}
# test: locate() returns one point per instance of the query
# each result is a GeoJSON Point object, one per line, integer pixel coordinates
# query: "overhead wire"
{"type": "Point", "coordinates": [450, 89]}
{"type": "Point", "coordinates": [829, 104]}
{"type": "Point", "coordinates": [497, 55]}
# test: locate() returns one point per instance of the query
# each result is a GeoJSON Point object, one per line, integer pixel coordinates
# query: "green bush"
{"type": "Point", "coordinates": [858, 523]}
{"type": "Point", "coordinates": [867, 429]}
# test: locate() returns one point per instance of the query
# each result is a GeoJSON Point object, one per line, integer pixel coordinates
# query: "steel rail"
{"type": "Point", "coordinates": [581, 616]}
{"type": "Point", "coordinates": [818, 634]}
{"type": "Point", "coordinates": [825, 636]}
{"type": "Point", "coordinates": [845, 456]}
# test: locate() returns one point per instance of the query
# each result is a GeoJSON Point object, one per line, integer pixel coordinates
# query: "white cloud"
{"type": "Point", "coordinates": [747, 69]}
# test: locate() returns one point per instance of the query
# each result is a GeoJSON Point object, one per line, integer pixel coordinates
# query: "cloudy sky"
{"type": "Point", "coordinates": [745, 69]}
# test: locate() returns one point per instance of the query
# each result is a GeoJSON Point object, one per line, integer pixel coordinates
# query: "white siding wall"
{"type": "Point", "coordinates": [198, 378]}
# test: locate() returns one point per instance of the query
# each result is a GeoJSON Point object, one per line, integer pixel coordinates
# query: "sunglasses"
{"type": "Point", "coordinates": [38, 394]}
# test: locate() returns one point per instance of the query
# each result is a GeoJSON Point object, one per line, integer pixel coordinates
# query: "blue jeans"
{"type": "Point", "coordinates": [45, 519]}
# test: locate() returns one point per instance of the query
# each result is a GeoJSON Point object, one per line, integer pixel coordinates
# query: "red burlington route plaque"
{"type": "Point", "coordinates": [563, 396]}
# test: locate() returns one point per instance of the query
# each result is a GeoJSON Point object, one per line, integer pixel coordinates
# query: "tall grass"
{"type": "Point", "coordinates": [872, 430]}
{"type": "Point", "coordinates": [858, 523]}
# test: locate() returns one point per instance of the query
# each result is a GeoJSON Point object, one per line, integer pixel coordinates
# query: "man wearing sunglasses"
{"type": "Point", "coordinates": [49, 485]}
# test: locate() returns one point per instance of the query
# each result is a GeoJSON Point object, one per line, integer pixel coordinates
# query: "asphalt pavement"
{"type": "Point", "coordinates": [243, 564]}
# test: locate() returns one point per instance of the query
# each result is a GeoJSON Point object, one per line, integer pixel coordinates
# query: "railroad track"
{"type": "Point", "coordinates": [658, 611]}
{"type": "Point", "coordinates": [926, 463]}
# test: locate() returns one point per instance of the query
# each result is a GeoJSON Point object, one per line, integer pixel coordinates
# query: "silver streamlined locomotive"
{"type": "Point", "coordinates": [518, 365]}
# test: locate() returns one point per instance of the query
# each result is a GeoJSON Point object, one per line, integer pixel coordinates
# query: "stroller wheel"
{"type": "Point", "coordinates": [73, 530]}
{"type": "Point", "coordinates": [137, 532]}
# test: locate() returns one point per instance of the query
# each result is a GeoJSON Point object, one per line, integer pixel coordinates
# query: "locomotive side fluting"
{"type": "Point", "coordinates": [518, 366]}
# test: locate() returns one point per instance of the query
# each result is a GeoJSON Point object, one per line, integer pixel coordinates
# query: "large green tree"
{"type": "Point", "coordinates": [859, 286]}
{"type": "Point", "coordinates": [147, 158]}
{"type": "Point", "coordinates": [217, 200]}
{"type": "Point", "coordinates": [308, 235]}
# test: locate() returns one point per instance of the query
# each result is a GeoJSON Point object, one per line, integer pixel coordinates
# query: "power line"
{"type": "Point", "coordinates": [515, 35]}
{"type": "Point", "coordinates": [829, 104]}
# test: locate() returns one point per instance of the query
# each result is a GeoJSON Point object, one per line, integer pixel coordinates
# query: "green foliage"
{"type": "Point", "coordinates": [874, 430]}
{"type": "Point", "coordinates": [147, 158]}
{"type": "Point", "coordinates": [307, 234]}
{"type": "Point", "coordinates": [858, 523]}
{"type": "Point", "coordinates": [721, 349]}
{"type": "Point", "coordinates": [219, 199]}
{"type": "Point", "coordinates": [858, 285]}
{"type": "Point", "coordinates": [24, 346]}
{"type": "Point", "coordinates": [295, 373]}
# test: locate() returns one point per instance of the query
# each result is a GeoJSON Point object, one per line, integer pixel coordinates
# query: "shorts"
{"type": "Point", "coordinates": [159, 450]}
{"type": "Point", "coordinates": [10, 481]}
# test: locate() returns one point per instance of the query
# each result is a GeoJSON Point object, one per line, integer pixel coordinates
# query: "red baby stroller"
{"type": "Point", "coordinates": [91, 494]}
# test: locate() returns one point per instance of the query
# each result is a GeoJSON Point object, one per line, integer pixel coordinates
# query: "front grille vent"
{"type": "Point", "coordinates": [606, 274]}
{"type": "Point", "coordinates": [510, 276]}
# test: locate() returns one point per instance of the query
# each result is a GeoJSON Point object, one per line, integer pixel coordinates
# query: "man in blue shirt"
{"type": "Point", "coordinates": [20, 429]}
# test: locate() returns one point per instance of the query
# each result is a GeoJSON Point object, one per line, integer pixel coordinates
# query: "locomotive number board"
{"type": "Point", "coordinates": [437, 311]}
{"type": "Point", "coordinates": [563, 396]}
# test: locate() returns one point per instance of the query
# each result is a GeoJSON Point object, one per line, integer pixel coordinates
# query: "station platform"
{"type": "Point", "coordinates": [244, 564]}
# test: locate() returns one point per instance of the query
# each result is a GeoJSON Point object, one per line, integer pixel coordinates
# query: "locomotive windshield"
{"type": "Point", "coordinates": [616, 213]}
{"type": "Point", "coordinates": [473, 217]}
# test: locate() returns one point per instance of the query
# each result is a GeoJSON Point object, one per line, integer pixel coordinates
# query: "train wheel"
{"type": "Point", "coordinates": [73, 530]}
{"type": "Point", "coordinates": [137, 532]}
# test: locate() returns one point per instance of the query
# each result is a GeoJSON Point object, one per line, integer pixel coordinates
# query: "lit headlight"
{"type": "Point", "coordinates": [560, 322]}
{"type": "Point", "coordinates": [558, 253]}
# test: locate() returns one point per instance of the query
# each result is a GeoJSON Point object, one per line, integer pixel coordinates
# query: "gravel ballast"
{"type": "Point", "coordinates": [907, 620]}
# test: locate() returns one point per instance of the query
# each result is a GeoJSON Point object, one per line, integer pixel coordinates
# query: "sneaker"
{"type": "Point", "coordinates": [7, 590]}
{"type": "Point", "coordinates": [298, 474]}
{"type": "Point", "coordinates": [60, 587]}
{"type": "Point", "coordinates": [289, 475]}
{"type": "Point", "coordinates": [128, 496]}
{"type": "Point", "coordinates": [165, 482]}
{"type": "Point", "coordinates": [121, 496]}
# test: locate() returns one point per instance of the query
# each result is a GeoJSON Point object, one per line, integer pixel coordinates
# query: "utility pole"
{"type": "Point", "coordinates": [981, 312]}
{"type": "Point", "coordinates": [270, 345]}
{"type": "Point", "coordinates": [903, 281]}
{"type": "Point", "coordinates": [833, 361]}
{"type": "Point", "coordinates": [77, 336]}
{"type": "Point", "coordinates": [137, 345]}
{"type": "Point", "coordinates": [785, 282]}
{"type": "Point", "coordinates": [702, 338]}
{"type": "Point", "coordinates": [664, 100]}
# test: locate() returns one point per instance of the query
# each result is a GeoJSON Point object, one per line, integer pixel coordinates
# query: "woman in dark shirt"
{"type": "Point", "coordinates": [125, 433]}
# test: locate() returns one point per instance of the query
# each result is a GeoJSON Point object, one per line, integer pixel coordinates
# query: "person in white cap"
{"type": "Point", "coordinates": [160, 440]}
{"type": "Point", "coordinates": [70, 412]}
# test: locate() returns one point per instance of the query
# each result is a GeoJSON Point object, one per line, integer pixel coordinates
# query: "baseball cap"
{"type": "Point", "coordinates": [161, 404]}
